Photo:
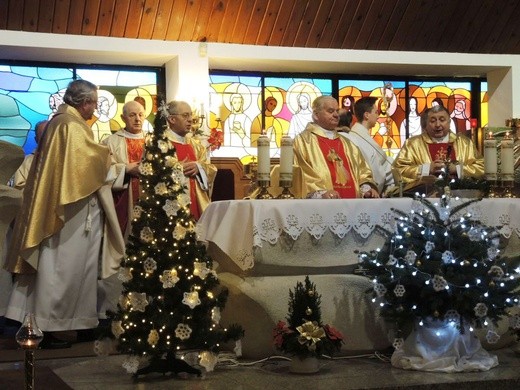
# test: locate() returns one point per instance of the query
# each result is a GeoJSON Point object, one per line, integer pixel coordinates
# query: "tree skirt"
{"type": "Point", "coordinates": [439, 346]}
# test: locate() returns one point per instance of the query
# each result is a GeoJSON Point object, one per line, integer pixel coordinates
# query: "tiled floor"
{"type": "Point", "coordinates": [89, 373]}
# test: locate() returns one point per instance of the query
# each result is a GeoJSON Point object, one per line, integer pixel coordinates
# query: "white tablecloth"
{"type": "Point", "coordinates": [321, 233]}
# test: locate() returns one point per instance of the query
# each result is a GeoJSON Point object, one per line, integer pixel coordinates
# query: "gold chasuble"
{"type": "Point", "coordinates": [68, 166]}
{"type": "Point", "coordinates": [328, 164]}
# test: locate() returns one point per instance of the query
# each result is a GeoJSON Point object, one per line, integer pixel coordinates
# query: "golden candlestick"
{"type": "Point", "coordinates": [29, 337]}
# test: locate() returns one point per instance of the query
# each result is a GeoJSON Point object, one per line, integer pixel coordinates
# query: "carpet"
{"type": "Point", "coordinates": [44, 378]}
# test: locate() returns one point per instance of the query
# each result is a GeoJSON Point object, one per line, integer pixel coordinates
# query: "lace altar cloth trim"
{"type": "Point", "coordinates": [238, 226]}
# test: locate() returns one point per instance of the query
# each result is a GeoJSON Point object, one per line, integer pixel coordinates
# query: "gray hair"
{"type": "Point", "coordinates": [433, 110]}
{"type": "Point", "coordinates": [79, 92]}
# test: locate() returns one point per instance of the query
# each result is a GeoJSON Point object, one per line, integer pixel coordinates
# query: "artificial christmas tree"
{"type": "Point", "coordinates": [439, 275]}
{"type": "Point", "coordinates": [171, 299]}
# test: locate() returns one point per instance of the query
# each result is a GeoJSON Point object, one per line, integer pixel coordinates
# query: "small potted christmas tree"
{"type": "Point", "coordinates": [303, 336]}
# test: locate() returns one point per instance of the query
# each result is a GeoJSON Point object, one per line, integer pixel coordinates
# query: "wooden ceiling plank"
{"type": "Point", "coordinates": [46, 16]}
{"type": "Point", "coordinates": [77, 7]}
{"type": "Point", "coordinates": [258, 14]}
{"type": "Point", "coordinates": [61, 16]}
{"type": "Point", "coordinates": [176, 17]}
{"type": "Point", "coordinates": [4, 9]}
{"type": "Point", "coordinates": [202, 21]}
{"type": "Point", "coordinates": [148, 19]}
{"type": "Point", "coordinates": [90, 17]}
{"type": "Point", "coordinates": [242, 20]}
{"type": "Point", "coordinates": [293, 23]}
{"type": "Point", "coordinates": [226, 23]}
{"type": "Point", "coordinates": [376, 17]}
{"type": "Point", "coordinates": [105, 18]}
{"type": "Point", "coordinates": [216, 19]}
{"type": "Point", "coordinates": [15, 15]}
{"type": "Point", "coordinates": [407, 26]}
{"type": "Point", "coordinates": [349, 12]}
{"type": "Point", "coordinates": [356, 24]}
{"type": "Point", "coordinates": [305, 26]}
{"type": "Point", "coordinates": [160, 27]}
{"type": "Point", "coordinates": [119, 18]}
{"type": "Point", "coordinates": [133, 19]}
{"type": "Point", "coordinates": [468, 27]}
{"type": "Point", "coordinates": [429, 20]}
{"type": "Point", "coordinates": [266, 28]}
{"type": "Point", "coordinates": [281, 22]}
{"type": "Point", "coordinates": [320, 22]}
{"type": "Point", "coordinates": [188, 22]}
{"type": "Point", "coordinates": [389, 30]}
{"type": "Point", "coordinates": [30, 15]}
{"type": "Point", "coordinates": [493, 23]}
{"type": "Point", "coordinates": [331, 24]}
{"type": "Point", "coordinates": [381, 20]}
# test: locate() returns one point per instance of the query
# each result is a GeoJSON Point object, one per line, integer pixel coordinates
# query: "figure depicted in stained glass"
{"type": "Point", "coordinates": [237, 125]}
{"type": "Point", "coordinates": [274, 127]}
{"type": "Point", "coordinates": [413, 120]}
{"type": "Point", "coordinates": [302, 116]}
{"type": "Point", "coordinates": [459, 117]}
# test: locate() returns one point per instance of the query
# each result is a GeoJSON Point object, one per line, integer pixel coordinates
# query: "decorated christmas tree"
{"type": "Point", "coordinates": [171, 298]}
{"type": "Point", "coordinates": [442, 264]}
{"type": "Point", "coordinates": [303, 334]}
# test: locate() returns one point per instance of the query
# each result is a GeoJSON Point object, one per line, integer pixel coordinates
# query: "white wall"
{"type": "Point", "coordinates": [187, 71]}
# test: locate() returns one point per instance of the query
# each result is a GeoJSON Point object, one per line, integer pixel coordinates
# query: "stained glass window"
{"type": "Point", "coordinates": [29, 94]}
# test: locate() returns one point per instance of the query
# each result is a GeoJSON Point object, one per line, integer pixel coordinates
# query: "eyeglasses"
{"type": "Point", "coordinates": [185, 115]}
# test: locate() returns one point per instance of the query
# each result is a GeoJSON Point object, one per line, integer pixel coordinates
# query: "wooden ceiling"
{"type": "Point", "coordinates": [464, 26]}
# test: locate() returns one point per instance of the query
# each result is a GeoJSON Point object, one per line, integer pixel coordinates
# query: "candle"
{"type": "Point", "coordinates": [490, 157]}
{"type": "Point", "coordinates": [286, 158]}
{"type": "Point", "coordinates": [507, 164]}
{"type": "Point", "coordinates": [264, 159]}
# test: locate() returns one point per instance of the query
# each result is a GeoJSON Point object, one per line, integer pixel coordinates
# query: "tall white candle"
{"type": "Point", "coordinates": [507, 164]}
{"type": "Point", "coordinates": [264, 158]}
{"type": "Point", "coordinates": [490, 157]}
{"type": "Point", "coordinates": [286, 158]}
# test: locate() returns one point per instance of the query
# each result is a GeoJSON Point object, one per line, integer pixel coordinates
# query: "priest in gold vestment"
{"type": "Point", "coordinates": [332, 166]}
{"type": "Point", "coordinates": [58, 235]}
{"type": "Point", "coordinates": [429, 153]}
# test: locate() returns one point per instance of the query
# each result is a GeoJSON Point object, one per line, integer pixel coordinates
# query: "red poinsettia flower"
{"type": "Point", "coordinates": [333, 333]}
{"type": "Point", "coordinates": [279, 332]}
{"type": "Point", "coordinates": [215, 139]}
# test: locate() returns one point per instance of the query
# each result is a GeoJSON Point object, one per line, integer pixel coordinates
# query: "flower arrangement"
{"type": "Point", "coordinates": [303, 334]}
{"type": "Point", "coordinates": [215, 139]}
{"type": "Point", "coordinates": [442, 264]}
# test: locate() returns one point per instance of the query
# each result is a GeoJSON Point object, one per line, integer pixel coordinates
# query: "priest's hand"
{"type": "Point", "coordinates": [331, 194]}
{"type": "Point", "coordinates": [371, 193]}
{"type": "Point", "coordinates": [436, 167]}
{"type": "Point", "coordinates": [132, 169]}
{"type": "Point", "coordinates": [190, 168]}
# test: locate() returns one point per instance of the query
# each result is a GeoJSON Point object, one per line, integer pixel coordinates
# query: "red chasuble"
{"type": "Point", "coordinates": [339, 167]}
{"type": "Point", "coordinates": [134, 153]}
{"type": "Point", "coordinates": [186, 153]}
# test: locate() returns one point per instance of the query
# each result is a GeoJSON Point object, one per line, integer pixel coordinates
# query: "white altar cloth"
{"type": "Point", "coordinates": [319, 232]}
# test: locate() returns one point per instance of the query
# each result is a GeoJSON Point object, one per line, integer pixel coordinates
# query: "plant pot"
{"type": "Point", "coordinates": [439, 346]}
{"type": "Point", "coordinates": [306, 365]}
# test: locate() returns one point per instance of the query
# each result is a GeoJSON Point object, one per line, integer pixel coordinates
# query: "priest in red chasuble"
{"type": "Point", "coordinates": [333, 167]}
{"type": "Point", "coordinates": [428, 153]}
{"type": "Point", "coordinates": [126, 147]}
{"type": "Point", "coordinates": [191, 154]}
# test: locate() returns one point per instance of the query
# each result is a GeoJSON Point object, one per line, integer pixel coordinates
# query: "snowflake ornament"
{"type": "Point", "coordinates": [161, 188]}
{"type": "Point", "coordinates": [496, 271]}
{"type": "Point", "coordinates": [380, 289]}
{"type": "Point", "coordinates": [117, 328]}
{"type": "Point", "coordinates": [429, 247]}
{"type": "Point", "coordinates": [452, 316]}
{"type": "Point", "coordinates": [138, 301]}
{"type": "Point", "coordinates": [492, 253]}
{"type": "Point", "coordinates": [163, 146]}
{"type": "Point", "coordinates": [447, 257]}
{"type": "Point", "coordinates": [514, 321]}
{"type": "Point", "coordinates": [124, 274]}
{"type": "Point", "coordinates": [474, 234]}
{"type": "Point", "coordinates": [178, 176]}
{"type": "Point", "coordinates": [179, 232]}
{"type": "Point", "coordinates": [183, 331]}
{"type": "Point", "coordinates": [480, 309]}
{"type": "Point", "coordinates": [399, 290]}
{"type": "Point", "coordinates": [171, 207]}
{"type": "Point", "coordinates": [191, 299]}
{"type": "Point", "coordinates": [398, 343]}
{"type": "Point", "coordinates": [149, 265]}
{"type": "Point", "coordinates": [410, 257]}
{"type": "Point", "coordinates": [200, 270]}
{"type": "Point", "coordinates": [146, 235]}
{"type": "Point", "coordinates": [131, 364]}
{"type": "Point", "coordinates": [169, 278]}
{"type": "Point", "coordinates": [146, 169]}
{"type": "Point", "coordinates": [439, 283]}
{"type": "Point", "coordinates": [492, 337]}
{"type": "Point", "coordinates": [137, 211]}
{"type": "Point", "coordinates": [392, 260]}
{"type": "Point", "coordinates": [184, 200]}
